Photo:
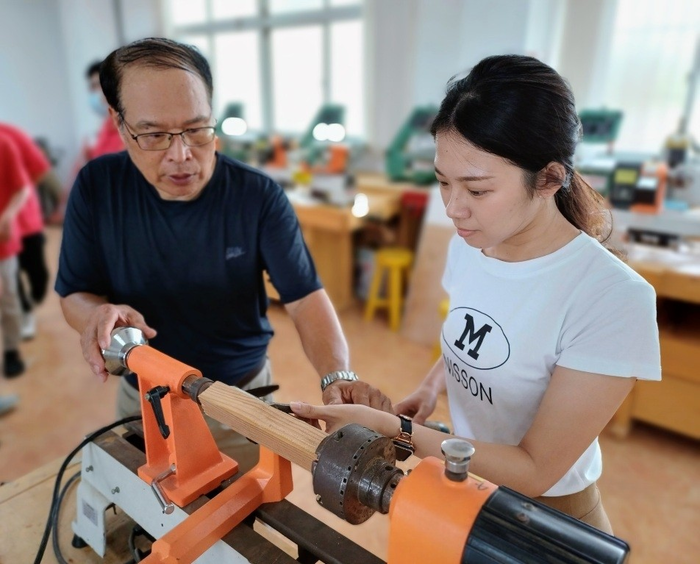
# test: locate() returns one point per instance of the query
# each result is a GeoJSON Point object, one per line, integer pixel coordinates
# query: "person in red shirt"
{"type": "Point", "coordinates": [32, 262]}
{"type": "Point", "coordinates": [108, 138]}
{"type": "Point", "coordinates": [15, 186]}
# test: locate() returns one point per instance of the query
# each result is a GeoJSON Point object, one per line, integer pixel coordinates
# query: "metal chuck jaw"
{"type": "Point", "coordinates": [354, 474]}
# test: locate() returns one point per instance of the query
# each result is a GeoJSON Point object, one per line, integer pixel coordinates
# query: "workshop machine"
{"type": "Point", "coordinates": [438, 513]}
{"type": "Point", "coordinates": [411, 154]}
{"type": "Point", "coordinates": [600, 127]}
{"type": "Point", "coordinates": [323, 146]}
{"type": "Point", "coordinates": [235, 139]}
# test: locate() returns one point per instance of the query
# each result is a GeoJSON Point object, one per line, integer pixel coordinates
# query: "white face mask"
{"type": "Point", "coordinates": [97, 103]}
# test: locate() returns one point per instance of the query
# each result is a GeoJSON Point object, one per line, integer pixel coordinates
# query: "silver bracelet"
{"type": "Point", "coordinates": [331, 377]}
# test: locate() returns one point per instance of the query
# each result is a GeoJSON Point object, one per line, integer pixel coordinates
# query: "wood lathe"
{"type": "Point", "coordinates": [438, 512]}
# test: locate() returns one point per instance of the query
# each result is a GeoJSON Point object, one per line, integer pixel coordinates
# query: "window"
{"type": "Point", "coordinates": [281, 59]}
{"type": "Point", "coordinates": [347, 78]}
{"type": "Point", "coordinates": [236, 71]}
{"type": "Point", "coordinates": [297, 69]}
{"type": "Point", "coordinates": [653, 51]}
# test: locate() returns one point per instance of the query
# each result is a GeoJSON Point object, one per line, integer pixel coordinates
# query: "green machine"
{"type": "Point", "coordinates": [327, 127]}
{"type": "Point", "coordinates": [600, 127]}
{"type": "Point", "coordinates": [411, 154]}
{"type": "Point", "coordinates": [236, 140]}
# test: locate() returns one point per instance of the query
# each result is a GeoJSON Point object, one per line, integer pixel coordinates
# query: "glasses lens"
{"type": "Point", "coordinates": [154, 141]}
{"type": "Point", "coordinates": [199, 136]}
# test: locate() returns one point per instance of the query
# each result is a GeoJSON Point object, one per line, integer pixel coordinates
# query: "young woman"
{"type": "Point", "coordinates": [548, 330]}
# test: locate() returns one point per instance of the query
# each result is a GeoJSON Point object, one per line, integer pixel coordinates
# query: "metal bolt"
{"type": "Point", "coordinates": [458, 453]}
{"type": "Point", "coordinates": [115, 490]}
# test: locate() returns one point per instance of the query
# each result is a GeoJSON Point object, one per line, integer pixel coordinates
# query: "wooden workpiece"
{"type": "Point", "coordinates": [288, 436]}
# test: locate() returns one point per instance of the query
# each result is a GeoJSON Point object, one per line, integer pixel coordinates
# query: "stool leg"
{"type": "Point", "coordinates": [373, 296]}
{"type": "Point", "coordinates": [395, 299]}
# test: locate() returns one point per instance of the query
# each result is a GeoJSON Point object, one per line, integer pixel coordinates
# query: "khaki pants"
{"type": "Point", "coordinates": [10, 305]}
{"type": "Point", "coordinates": [585, 506]}
{"type": "Point", "coordinates": [229, 442]}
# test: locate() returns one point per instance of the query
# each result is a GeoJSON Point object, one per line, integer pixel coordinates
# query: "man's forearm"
{"type": "Point", "coordinates": [78, 307]}
{"type": "Point", "coordinates": [320, 332]}
{"type": "Point", "coordinates": [15, 204]}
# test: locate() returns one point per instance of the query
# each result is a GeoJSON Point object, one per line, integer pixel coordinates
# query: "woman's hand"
{"type": "Point", "coordinates": [337, 416]}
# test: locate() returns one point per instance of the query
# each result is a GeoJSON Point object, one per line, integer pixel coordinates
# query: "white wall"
{"type": "Point", "coordinates": [33, 91]}
{"type": "Point", "coordinates": [416, 46]}
{"type": "Point", "coordinates": [89, 34]}
{"type": "Point", "coordinates": [585, 45]}
{"type": "Point", "coordinates": [545, 23]}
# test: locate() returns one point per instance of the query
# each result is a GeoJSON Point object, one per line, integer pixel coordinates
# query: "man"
{"type": "Point", "coordinates": [30, 223]}
{"type": "Point", "coordinates": [15, 187]}
{"type": "Point", "coordinates": [173, 238]}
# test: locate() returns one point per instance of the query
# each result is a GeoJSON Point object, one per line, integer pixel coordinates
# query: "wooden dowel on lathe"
{"type": "Point", "coordinates": [288, 436]}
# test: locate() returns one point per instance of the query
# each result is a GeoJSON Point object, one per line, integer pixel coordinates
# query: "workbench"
{"type": "Point", "coordinates": [673, 403]}
{"type": "Point", "coordinates": [24, 506]}
{"type": "Point", "coordinates": [328, 231]}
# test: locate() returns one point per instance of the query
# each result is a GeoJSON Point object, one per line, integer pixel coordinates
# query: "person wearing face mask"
{"type": "Point", "coordinates": [108, 139]}
{"type": "Point", "coordinates": [547, 329]}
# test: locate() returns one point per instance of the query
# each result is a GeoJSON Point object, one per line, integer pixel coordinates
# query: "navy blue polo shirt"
{"type": "Point", "coordinates": [194, 269]}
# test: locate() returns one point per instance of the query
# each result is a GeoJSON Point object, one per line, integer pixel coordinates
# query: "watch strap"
{"type": "Point", "coordinates": [404, 440]}
{"type": "Point", "coordinates": [331, 377]}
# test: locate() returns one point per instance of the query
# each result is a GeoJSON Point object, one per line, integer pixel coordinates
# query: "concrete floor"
{"type": "Point", "coordinates": [650, 482]}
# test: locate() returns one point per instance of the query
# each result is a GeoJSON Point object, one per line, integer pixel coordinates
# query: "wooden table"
{"type": "Point", "coordinates": [673, 403]}
{"type": "Point", "coordinates": [24, 509]}
{"type": "Point", "coordinates": [328, 231]}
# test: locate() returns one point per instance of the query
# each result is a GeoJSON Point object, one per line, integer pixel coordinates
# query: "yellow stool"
{"type": "Point", "coordinates": [443, 308]}
{"type": "Point", "coordinates": [395, 262]}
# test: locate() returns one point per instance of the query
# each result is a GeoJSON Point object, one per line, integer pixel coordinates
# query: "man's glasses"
{"type": "Point", "coordinates": [161, 140]}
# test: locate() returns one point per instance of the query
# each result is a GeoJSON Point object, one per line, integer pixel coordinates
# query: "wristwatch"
{"type": "Point", "coordinates": [404, 440]}
{"type": "Point", "coordinates": [331, 377]}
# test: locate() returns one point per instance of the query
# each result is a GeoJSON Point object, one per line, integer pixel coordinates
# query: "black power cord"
{"type": "Point", "coordinates": [53, 513]}
{"type": "Point", "coordinates": [138, 531]}
{"type": "Point", "coordinates": [54, 535]}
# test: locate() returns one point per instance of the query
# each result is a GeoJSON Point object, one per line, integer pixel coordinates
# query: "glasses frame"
{"type": "Point", "coordinates": [181, 134]}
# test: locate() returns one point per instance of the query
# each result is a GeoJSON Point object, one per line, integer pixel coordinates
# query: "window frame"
{"type": "Point", "coordinates": [264, 23]}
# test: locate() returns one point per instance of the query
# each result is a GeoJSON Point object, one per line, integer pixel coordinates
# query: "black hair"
{"type": "Point", "coordinates": [520, 109]}
{"type": "Point", "coordinates": [93, 68]}
{"type": "Point", "coordinates": [152, 52]}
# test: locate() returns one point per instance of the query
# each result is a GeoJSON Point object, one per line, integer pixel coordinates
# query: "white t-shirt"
{"type": "Point", "coordinates": [511, 323]}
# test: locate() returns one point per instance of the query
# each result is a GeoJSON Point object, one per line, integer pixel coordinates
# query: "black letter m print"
{"type": "Point", "coordinates": [473, 335]}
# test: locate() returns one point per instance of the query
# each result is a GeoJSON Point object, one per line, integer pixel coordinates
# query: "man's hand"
{"type": "Point", "coordinates": [342, 391]}
{"type": "Point", "coordinates": [5, 229]}
{"type": "Point", "coordinates": [419, 405]}
{"type": "Point", "coordinates": [97, 333]}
